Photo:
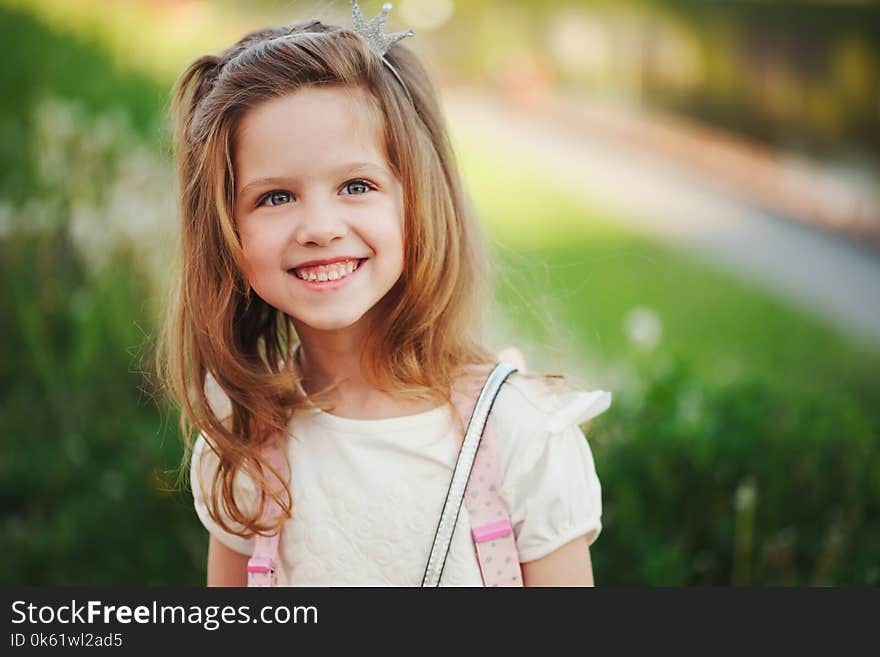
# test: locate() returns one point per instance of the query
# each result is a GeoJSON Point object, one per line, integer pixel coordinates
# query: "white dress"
{"type": "Point", "coordinates": [367, 494]}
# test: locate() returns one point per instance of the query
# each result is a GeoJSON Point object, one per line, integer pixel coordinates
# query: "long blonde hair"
{"type": "Point", "coordinates": [217, 327]}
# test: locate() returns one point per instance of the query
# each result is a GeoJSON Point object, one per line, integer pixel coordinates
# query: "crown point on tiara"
{"type": "Point", "coordinates": [374, 31]}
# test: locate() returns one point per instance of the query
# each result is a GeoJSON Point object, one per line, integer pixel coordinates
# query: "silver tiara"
{"type": "Point", "coordinates": [374, 31]}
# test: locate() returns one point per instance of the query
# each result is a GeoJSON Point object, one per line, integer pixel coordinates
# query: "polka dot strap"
{"type": "Point", "coordinates": [476, 480]}
{"type": "Point", "coordinates": [261, 566]}
{"type": "Point", "coordinates": [493, 535]}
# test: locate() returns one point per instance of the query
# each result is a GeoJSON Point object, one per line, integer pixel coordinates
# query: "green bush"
{"type": "Point", "coordinates": [85, 492]}
{"type": "Point", "coordinates": [718, 485]}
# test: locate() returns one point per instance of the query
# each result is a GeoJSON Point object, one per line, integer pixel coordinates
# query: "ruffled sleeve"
{"type": "Point", "coordinates": [203, 466]}
{"type": "Point", "coordinates": [549, 476]}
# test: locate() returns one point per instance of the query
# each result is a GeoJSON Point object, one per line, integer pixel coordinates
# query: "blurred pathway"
{"type": "Point", "coordinates": [827, 274]}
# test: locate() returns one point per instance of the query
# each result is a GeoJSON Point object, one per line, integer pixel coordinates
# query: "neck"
{"type": "Point", "coordinates": [328, 357]}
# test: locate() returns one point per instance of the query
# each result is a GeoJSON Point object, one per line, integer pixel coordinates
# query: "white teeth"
{"type": "Point", "coordinates": [327, 272]}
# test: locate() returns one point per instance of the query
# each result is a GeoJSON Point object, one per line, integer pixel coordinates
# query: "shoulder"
{"type": "Point", "coordinates": [533, 401]}
{"type": "Point", "coordinates": [532, 412]}
{"type": "Point", "coordinates": [548, 476]}
{"type": "Point", "coordinates": [204, 465]}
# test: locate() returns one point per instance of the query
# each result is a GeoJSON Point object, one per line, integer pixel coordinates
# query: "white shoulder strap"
{"type": "Point", "coordinates": [462, 472]}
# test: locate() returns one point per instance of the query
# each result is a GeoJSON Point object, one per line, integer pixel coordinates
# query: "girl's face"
{"type": "Point", "coordinates": [319, 213]}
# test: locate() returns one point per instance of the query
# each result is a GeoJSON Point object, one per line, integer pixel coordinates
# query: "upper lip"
{"type": "Point", "coordinates": [330, 261]}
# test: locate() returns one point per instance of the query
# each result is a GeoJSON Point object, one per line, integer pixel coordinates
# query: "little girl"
{"type": "Point", "coordinates": [330, 297]}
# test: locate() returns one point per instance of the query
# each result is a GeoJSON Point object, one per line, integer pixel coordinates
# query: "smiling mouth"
{"type": "Point", "coordinates": [327, 273]}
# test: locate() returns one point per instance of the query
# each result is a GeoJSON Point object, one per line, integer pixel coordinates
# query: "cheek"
{"type": "Point", "coordinates": [254, 244]}
{"type": "Point", "coordinates": [260, 255]}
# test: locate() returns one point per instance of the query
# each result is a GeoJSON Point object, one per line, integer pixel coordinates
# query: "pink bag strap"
{"type": "Point", "coordinates": [477, 481]}
{"type": "Point", "coordinates": [261, 566]}
{"type": "Point", "coordinates": [492, 532]}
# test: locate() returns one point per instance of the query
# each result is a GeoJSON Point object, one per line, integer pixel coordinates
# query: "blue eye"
{"type": "Point", "coordinates": [276, 198]}
{"type": "Point", "coordinates": [359, 184]}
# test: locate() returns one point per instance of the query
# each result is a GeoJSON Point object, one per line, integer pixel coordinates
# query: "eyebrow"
{"type": "Point", "coordinates": [346, 169]}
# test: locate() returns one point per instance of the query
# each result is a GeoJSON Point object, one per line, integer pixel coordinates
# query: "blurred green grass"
{"type": "Point", "coordinates": [560, 262]}
{"type": "Point", "coordinates": [742, 449]}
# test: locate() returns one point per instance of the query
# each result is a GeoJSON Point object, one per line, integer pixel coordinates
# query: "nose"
{"type": "Point", "coordinates": [321, 224]}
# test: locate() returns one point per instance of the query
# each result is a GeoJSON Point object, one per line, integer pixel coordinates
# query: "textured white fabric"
{"type": "Point", "coordinates": [368, 494]}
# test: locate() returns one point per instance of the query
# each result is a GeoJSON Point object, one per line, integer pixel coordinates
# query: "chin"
{"type": "Point", "coordinates": [329, 323]}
